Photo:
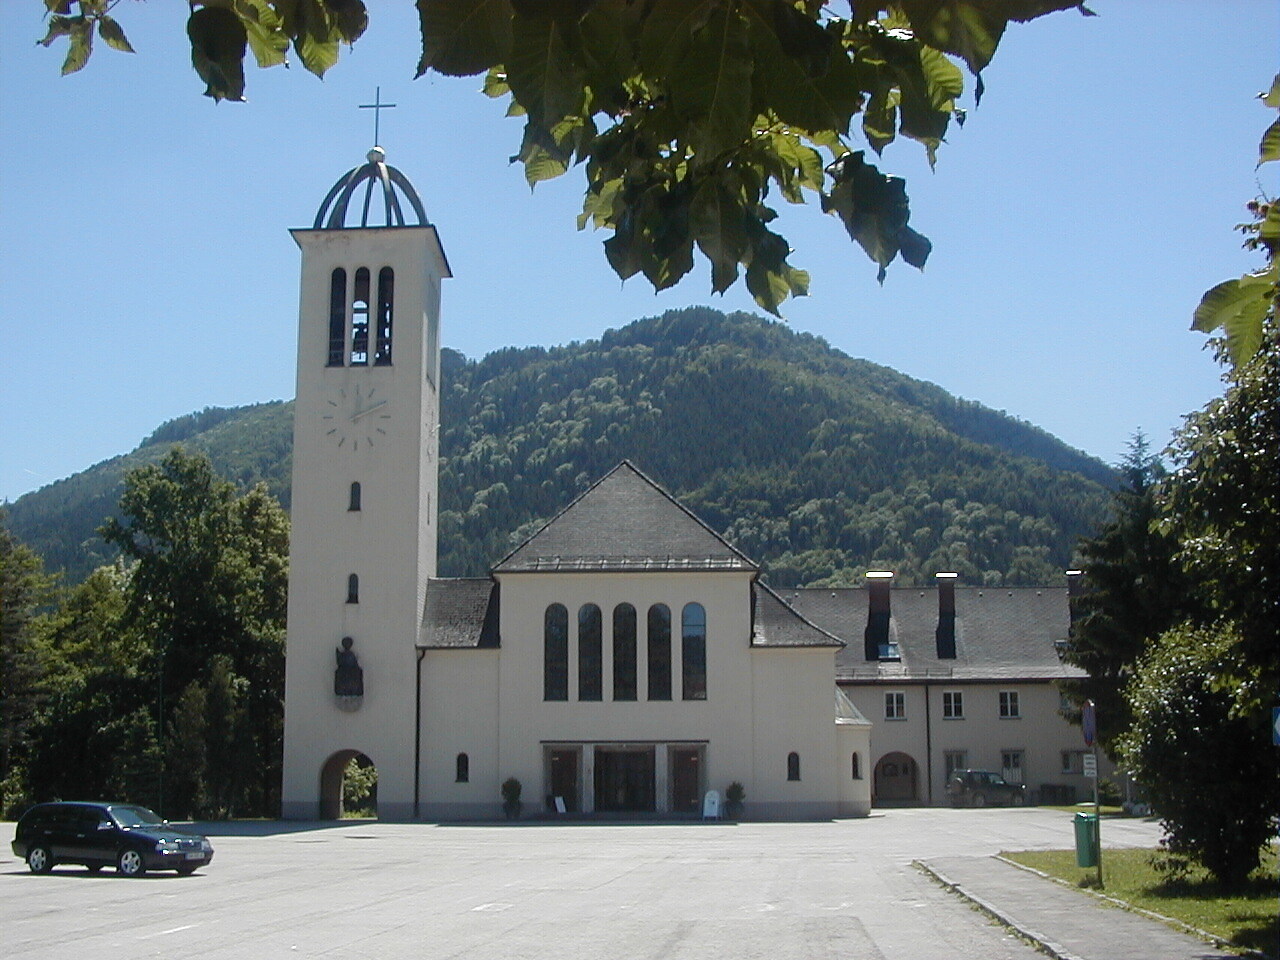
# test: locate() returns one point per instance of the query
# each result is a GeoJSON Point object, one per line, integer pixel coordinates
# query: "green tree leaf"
{"type": "Point", "coordinates": [1269, 148]}
{"type": "Point", "coordinates": [461, 38]}
{"type": "Point", "coordinates": [874, 210]}
{"type": "Point", "coordinates": [1238, 308]}
{"type": "Point", "coordinates": [81, 34]}
{"type": "Point", "coordinates": [542, 75]}
{"type": "Point", "coordinates": [718, 222]}
{"type": "Point", "coordinates": [112, 34]}
{"type": "Point", "coordinates": [265, 31]}
{"type": "Point", "coordinates": [218, 41]}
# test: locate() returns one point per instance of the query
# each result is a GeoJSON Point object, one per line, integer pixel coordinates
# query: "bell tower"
{"type": "Point", "coordinates": [364, 503]}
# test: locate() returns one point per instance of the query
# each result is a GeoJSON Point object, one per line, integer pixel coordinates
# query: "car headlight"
{"type": "Point", "coordinates": [206, 846]}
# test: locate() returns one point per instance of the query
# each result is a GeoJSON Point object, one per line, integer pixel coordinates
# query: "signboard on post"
{"type": "Point", "coordinates": [1090, 765]}
{"type": "Point", "coordinates": [1089, 723]}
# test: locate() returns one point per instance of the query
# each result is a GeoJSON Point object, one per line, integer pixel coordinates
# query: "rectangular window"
{"type": "Point", "coordinates": [952, 705]}
{"type": "Point", "coordinates": [693, 651]}
{"type": "Point", "coordinates": [1073, 761]}
{"type": "Point", "coordinates": [590, 653]}
{"type": "Point", "coordinates": [895, 706]}
{"type": "Point", "coordinates": [1009, 704]}
{"type": "Point", "coordinates": [955, 760]}
{"type": "Point", "coordinates": [659, 652]}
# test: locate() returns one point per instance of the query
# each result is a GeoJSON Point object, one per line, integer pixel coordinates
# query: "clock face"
{"type": "Point", "coordinates": [355, 418]}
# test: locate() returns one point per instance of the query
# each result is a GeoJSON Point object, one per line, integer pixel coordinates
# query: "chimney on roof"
{"type": "Point", "coordinates": [876, 637]}
{"type": "Point", "coordinates": [1075, 587]}
{"type": "Point", "coordinates": [946, 632]}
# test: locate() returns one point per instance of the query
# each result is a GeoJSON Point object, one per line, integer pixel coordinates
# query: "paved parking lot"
{"type": "Point", "coordinates": [526, 892]}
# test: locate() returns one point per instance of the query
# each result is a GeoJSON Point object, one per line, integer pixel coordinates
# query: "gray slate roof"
{"type": "Point", "coordinates": [1001, 633]}
{"type": "Point", "coordinates": [624, 522]}
{"type": "Point", "coordinates": [460, 615]}
{"type": "Point", "coordinates": [777, 624]}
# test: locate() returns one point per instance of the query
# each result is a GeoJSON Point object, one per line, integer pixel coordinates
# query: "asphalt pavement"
{"type": "Point", "coordinates": [851, 889]}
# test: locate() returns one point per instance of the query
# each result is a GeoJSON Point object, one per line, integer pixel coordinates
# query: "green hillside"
{"type": "Point", "coordinates": [817, 465]}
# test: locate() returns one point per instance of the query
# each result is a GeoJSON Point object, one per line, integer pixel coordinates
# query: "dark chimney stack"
{"type": "Point", "coordinates": [946, 633]}
{"type": "Point", "coordinates": [1075, 587]}
{"type": "Point", "coordinates": [876, 638]}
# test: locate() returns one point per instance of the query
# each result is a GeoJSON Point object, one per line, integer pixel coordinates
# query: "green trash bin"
{"type": "Point", "coordinates": [1086, 825]}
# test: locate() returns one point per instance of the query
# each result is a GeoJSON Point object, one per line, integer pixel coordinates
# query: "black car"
{"type": "Point", "coordinates": [128, 837]}
{"type": "Point", "coordinates": [977, 788]}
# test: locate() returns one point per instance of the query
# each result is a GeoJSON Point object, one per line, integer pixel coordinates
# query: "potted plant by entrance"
{"type": "Point", "coordinates": [734, 795]}
{"type": "Point", "coordinates": [511, 804]}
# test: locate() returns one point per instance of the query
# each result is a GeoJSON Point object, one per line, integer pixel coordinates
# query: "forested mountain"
{"type": "Point", "coordinates": [815, 464]}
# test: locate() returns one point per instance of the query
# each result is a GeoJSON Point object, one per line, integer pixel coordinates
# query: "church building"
{"type": "Point", "coordinates": [623, 659]}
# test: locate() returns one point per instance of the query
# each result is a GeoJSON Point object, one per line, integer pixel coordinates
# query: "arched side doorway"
{"type": "Point", "coordinates": [348, 786]}
{"type": "Point", "coordinates": [896, 779]}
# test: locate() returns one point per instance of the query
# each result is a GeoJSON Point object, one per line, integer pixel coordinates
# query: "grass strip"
{"type": "Point", "coordinates": [1244, 918]}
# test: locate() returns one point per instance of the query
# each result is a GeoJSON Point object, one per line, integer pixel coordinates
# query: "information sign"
{"type": "Point", "coordinates": [1090, 765]}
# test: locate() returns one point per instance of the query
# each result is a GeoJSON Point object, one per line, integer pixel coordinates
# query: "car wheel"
{"type": "Point", "coordinates": [130, 864]}
{"type": "Point", "coordinates": [187, 869]}
{"type": "Point", "coordinates": [1018, 799]}
{"type": "Point", "coordinates": [979, 800]}
{"type": "Point", "coordinates": [39, 860]}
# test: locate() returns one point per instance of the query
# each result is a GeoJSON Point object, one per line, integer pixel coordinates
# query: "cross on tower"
{"type": "Point", "coordinates": [377, 107]}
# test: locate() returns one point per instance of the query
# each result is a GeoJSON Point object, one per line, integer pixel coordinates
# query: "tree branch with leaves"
{"type": "Point", "coordinates": [687, 115]}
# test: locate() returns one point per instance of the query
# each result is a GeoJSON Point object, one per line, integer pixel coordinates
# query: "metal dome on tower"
{"type": "Point", "coordinates": [335, 209]}
{"type": "Point", "coordinates": [336, 206]}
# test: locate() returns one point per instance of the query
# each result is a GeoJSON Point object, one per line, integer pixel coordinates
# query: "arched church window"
{"type": "Point", "coordinates": [659, 642]}
{"type": "Point", "coordinates": [624, 652]}
{"type": "Point", "coordinates": [857, 768]}
{"type": "Point", "coordinates": [555, 653]}
{"type": "Point", "coordinates": [386, 295]}
{"type": "Point", "coordinates": [693, 651]}
{"type": "Point", "coordinates": [354, 503]}
{"type": "Point", "coordinates": [353, 589]}
{"type": "Point", "coordinates": [337, 316]}
{"type": "Point", "coordinates": [463, 769]}
{"type": "Point", "coordinates": [793, 766]}
{"type": "Point", "coordinates": [590, 653]}
{"type": "Point", "coordinates": [360, 319]}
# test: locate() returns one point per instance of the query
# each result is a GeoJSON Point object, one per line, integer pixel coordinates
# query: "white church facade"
{"type": "Point", "coordinates": [624, 659]}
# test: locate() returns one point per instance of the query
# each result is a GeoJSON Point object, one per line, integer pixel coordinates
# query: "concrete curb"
{"type": "Point", "coordinates": [1052, 948]}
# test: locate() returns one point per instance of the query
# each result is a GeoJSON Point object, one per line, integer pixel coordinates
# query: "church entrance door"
{"type": "Point", "coordinates": [686, 779]}
{"type": "Point", "coordinates": [624, 780]}
{"type": "Point", "coordinates": [563, 777]}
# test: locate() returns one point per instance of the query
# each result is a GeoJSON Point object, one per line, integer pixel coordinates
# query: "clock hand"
{"type": "Point", "coordinates": [367, 410]}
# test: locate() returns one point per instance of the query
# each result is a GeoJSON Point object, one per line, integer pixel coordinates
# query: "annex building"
{"type": "Point", "coordinates": [625, 658]}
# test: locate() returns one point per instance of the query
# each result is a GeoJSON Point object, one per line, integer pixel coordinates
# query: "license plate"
{"type": "Point", "coordinates": [195, 856]}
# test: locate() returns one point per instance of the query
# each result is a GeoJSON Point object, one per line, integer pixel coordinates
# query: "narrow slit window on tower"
{"type": "Point", "coordinates": [354, 503]}
{"type": "Point", "coordinates": [360, 319]}
{"type": "Point", "coordinates": [353, 589]}
{"type": "Point", "coordinates": [793, 766]}
{"type": "Point", "coordinates": [462, 769]}
{"type": "Point", "coordinates": [337, 317]}
{"type": "Point", "coordinates": [386, 297]}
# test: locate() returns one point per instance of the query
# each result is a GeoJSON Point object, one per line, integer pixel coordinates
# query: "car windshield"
{"type": "Point", "coordinates": [135, 817]}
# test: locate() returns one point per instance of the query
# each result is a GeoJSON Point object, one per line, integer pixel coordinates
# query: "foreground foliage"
{"type": "Point", "coordinates": [159, 679]}
{"type": "Point", "coordinates": [686, 113]}
{"type": "Point", "coordinates": [1245, 918]}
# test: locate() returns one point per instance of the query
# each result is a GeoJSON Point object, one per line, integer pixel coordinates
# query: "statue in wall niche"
{"type": "Point", "coordinates": [348, 679]}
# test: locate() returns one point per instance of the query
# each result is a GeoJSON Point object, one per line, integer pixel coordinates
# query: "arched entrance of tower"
{"type": "Point", "coordinates": [348, 786]}
{"type": "Point", "coordinates": [896, 779]}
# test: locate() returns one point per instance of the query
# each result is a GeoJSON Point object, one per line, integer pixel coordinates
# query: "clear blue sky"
{"type": "Point", "coordinates": [147, 270]}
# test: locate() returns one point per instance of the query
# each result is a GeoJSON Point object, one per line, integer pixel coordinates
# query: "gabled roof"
{"type": "Point", "coordinates": [1002, 633]}
{"type": "Point", "coordinates": [774, 623]}
{"type": "Point", "coordinates": [624, 522]}
{"type": "Point", "coordinates": [460, 615]}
